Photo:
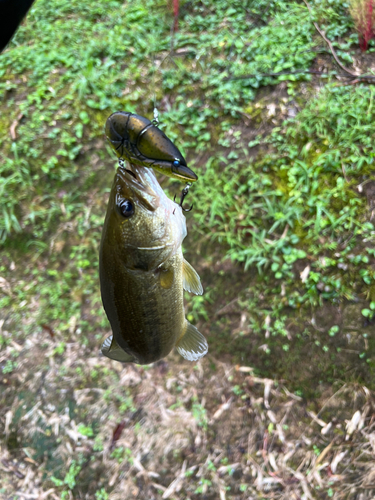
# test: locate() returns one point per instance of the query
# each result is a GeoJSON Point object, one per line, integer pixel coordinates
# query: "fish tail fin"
{"type": "Point", "coordinates": [112, 350]}
{"type": "Point", "coordinates": [192, 345]}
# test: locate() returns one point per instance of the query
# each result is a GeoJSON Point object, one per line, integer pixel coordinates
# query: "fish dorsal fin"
{"type": "Point", "coordinates": [192, 345]}
{"type": "Point", "coordinates": [112, 350]}
{"type": "Point", "coordinates": [192, 282]}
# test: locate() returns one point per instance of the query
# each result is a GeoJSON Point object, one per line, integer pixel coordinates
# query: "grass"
{"type": "Point", "coordinates": [281, 233]}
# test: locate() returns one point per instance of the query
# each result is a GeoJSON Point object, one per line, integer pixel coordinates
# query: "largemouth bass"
{"type": "Point", "coordinates": [139, 141]}
{"type": "Point", "coordinates": [143, 272]}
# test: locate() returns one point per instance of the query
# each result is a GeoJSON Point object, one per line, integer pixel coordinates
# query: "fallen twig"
{"type": "Point", "coordinates": [299, 72]}
{"type": "Point", "coordinates": [12, 129]}
{"type": "Point", "coordinates": [322, 34]}
{"type": "Point", "coordinates": [280, 73]}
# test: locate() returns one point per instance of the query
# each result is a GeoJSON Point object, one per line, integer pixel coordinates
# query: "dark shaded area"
{"type": "Point", "coordinates": [11, 14]}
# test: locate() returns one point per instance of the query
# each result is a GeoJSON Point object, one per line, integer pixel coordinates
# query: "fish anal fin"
{"type": "Point", "coordinates": [192, 346]}
{"type": "Point", "coordinates": [112, 350]}
{"type": "Point", "coordinates": [191, 280]}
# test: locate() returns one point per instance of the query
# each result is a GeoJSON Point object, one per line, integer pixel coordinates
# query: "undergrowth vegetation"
{"type": "Point", "coordinates": [282, 228]}
{"type": "Point", "coordinates": [283, 196]}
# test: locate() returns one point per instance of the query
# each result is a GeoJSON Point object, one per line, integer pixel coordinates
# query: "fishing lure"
{"type": "Point", "coordinates": [139, 141]}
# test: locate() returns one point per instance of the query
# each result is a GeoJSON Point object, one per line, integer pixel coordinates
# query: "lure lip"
{"type": "Point", "coordinates": [180, 172]}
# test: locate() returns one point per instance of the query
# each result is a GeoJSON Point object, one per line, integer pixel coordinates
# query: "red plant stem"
{"type": "Point", "coordinates": [367, 29]}
{"type": "Point", "coordinates": [368, 32]}
{"type": "Point", "coordinates": [117, 433]}
{"type": "Point", "coordinates": [175, 12]}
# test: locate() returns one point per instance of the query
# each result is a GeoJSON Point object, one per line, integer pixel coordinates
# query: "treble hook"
{"type": "Point", "coordinates": [183, 195]}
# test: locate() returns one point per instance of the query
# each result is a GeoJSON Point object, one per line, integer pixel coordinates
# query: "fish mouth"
{"type": "Point", "coordinates": [130, 172]}
{"type": "Point", "coordinates": [132, 183]}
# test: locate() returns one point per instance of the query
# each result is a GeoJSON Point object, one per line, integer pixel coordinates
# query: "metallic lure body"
{"type": "Point", "coordinates": [140, 142]}
{"type": "Point", "coordinates": [143, 272]}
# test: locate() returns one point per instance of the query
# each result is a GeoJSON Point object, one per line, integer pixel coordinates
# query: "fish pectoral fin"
{"type": "Point", "coordinates": [112, 350]}
{"type": "Point", "coordinates": [166, 278]}
{"type": "Point", "coordinates": [192, 282]}
{"type": "Point", "coordinates": [192, 345]}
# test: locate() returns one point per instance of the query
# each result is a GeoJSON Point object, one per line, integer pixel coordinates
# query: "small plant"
{"type": "Point", "coordinates": [69, 480]}
{"type": "Point", "coordinates": [200, 414]}
{"type": "Point", "coordinates": [9, 366]}
{"type": "Point", "coordinates": [85, 430]}
{"type": "Point", "coordinates": [101, 495]}
{"type": "Point", "coordinates": [363, 14]}
{"type": "Point", "coordinates": [369, 313]}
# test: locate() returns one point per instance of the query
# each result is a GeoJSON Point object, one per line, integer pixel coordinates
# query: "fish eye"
{"type": "Point", "coordinates": [126, 208]}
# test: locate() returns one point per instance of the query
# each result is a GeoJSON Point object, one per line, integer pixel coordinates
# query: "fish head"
{"type": "Point", "coordinates": [143, 226]}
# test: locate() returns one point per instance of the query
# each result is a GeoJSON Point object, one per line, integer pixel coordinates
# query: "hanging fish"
{"type": "Point", "coordinates": [140, 142]}
{"type": "Point", "coordinates": [143, 272]}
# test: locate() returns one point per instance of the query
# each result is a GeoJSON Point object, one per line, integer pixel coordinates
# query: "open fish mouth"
{"type": "Point", "coordinates": [136, 184]}
{"type": "Point", "coordinates": [130, 172]}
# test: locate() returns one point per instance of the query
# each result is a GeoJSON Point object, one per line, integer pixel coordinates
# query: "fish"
{"type": "Point", "coordinates": [143, 273]}
{"type": "Point", "coordinates": [139, 141]}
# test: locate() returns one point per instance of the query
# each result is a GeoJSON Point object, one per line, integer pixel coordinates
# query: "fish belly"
{"type": "Point", "coordinates": [145, 310]}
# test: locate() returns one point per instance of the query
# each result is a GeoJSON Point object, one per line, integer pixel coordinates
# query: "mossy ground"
{"type": "Point", "coordinates": [281, 233]}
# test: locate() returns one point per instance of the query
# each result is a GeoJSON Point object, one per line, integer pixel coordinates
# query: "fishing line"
{"type": "Point", "coordinates": [156, 112]}
{"type": "Point", "coordinates": [155, 69]}
{"type": "Point", "coordinates": [155, 120]}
